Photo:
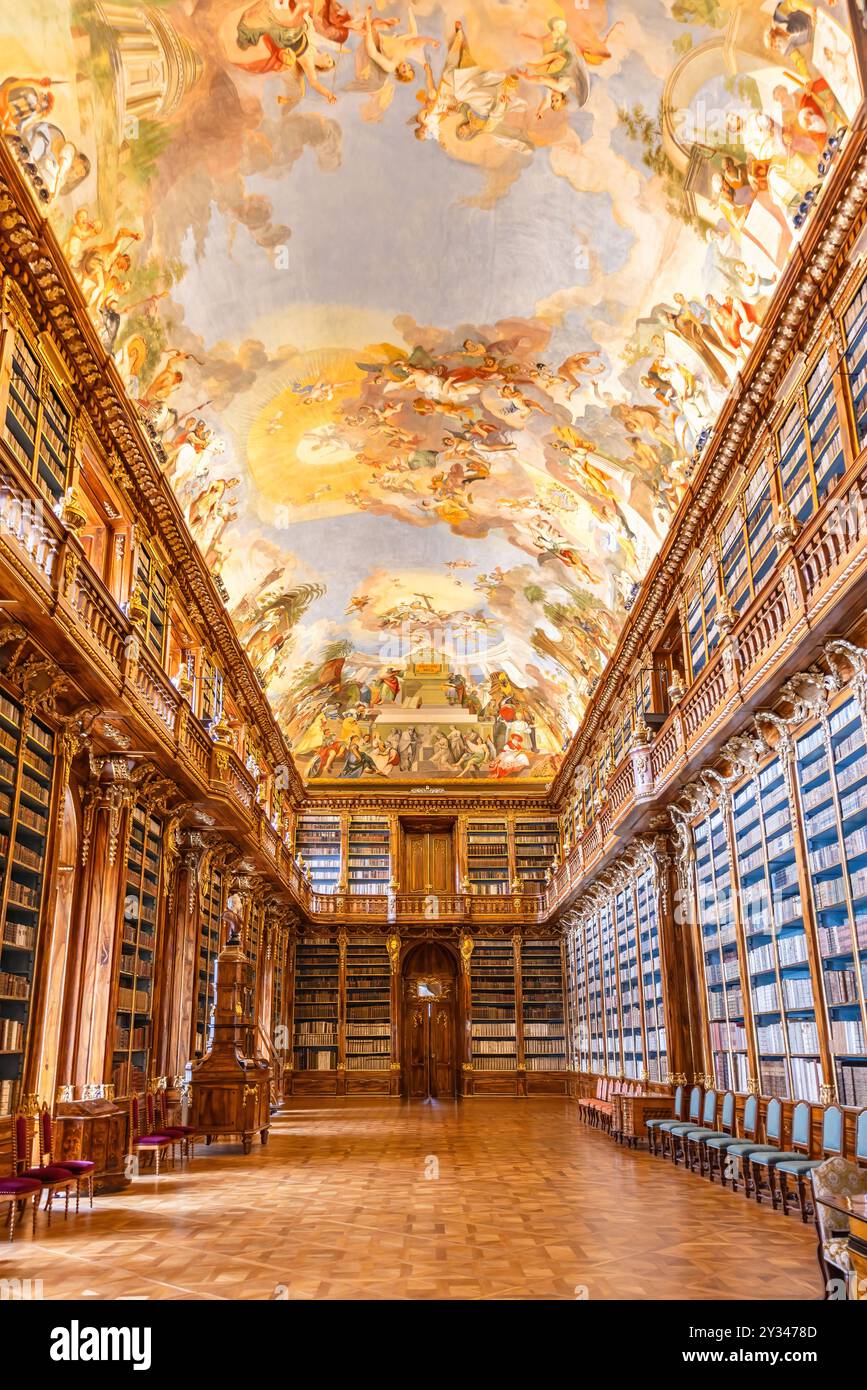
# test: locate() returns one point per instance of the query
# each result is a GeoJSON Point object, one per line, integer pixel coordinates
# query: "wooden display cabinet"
{"type": "Point", "coordinates": [230, 1092]}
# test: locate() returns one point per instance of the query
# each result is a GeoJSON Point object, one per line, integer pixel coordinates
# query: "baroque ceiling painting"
{"type": "Point", "coordinates": [430, 309]}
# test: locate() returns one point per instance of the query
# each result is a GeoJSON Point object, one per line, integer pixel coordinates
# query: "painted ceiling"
{"type": "Point", "coordinates": [431, 307]}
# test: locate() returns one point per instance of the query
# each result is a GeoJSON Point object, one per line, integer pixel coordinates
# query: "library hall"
{"type": "Point", "coordinates": [433, 664]}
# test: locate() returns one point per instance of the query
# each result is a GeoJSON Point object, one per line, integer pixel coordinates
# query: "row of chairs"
{"type": "Point", "coordinates": [149, 1131]}
{"type": "Point", "coordinates": [598, 1110]}
{"type": "Point", "coordinates": [762, 1166]}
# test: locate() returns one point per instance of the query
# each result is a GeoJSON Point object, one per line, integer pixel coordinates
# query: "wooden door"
{"type": "Point", "coordinates": [428, 859]}
{"type": "Point", "coordinates": [430, 1050]}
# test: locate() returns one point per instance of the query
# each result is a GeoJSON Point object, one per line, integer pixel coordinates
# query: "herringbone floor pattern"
{"type": "Point", "coordinates": [378, 1199]}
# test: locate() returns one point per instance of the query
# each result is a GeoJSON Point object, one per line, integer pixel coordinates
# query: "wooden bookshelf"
{"type": "Point", "coordinates": [537, 844]}
{"type": "Point", "coordinates": [210, 919]}
{"type": "Point", "coordinates": [493, 1018]}
{"type": "Point", "coordinates": [26, 781]}
{"type": "Point", "coordinates": [316, 1013]}
{"type": "Point", "coordinates": [543, 1014]}
{"type": "Point", "coordinates": [488, 857]}
{"type": "Point", "coordinates": [318, 841]}
{"type": "Point", "coordinates": [134, 981]}
{"type": "Point", "coordinates": [369, 854]}
{"type": "Point", "coordinates": [367, 1026]}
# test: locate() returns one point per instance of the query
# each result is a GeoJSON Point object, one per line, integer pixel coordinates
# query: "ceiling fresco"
{"type": "Point", "coordinates": [431, 307]}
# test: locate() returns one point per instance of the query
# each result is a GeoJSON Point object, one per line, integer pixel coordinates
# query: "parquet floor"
{"type": "Point", "coordinates": [527, 1204]}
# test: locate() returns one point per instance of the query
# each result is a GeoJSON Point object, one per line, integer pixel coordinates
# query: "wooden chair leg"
{"type": "Point", "coordinates": [66, 1206]}
{"type": "Point", "coordinates": [802, 1199]}
{"type": "Point", "coordinates": [784, 1193]}
{"type": "Point", "coordinates": [12, 1206]}
{"type": "Point", "coordinates": [48, 1199]}
{"type": "Point", "coordinates": [157, 1161]}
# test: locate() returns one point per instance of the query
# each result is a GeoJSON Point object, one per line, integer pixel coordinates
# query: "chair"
{"type": "Point", "coordinates": [861, 1138]}
{"type": "Point", "coordinates": [16, 1190]}
{"type": "Point", "coordinates": [699, 1140]}
{"type": "Point", "coordinates": [156, 1144]}
{"type": "Point", "coordinates": [585, 1103]}
{"type": "Point", "coordinates": [764, 1161]}
{"type": "Point", "coordinates": [834, 1178]}
{"type": "Point", "coordinates": [714, 1146]}
{"type": "Point", "coordinates": [80, 1168]}
{"type": "Point", "coordinates": [654, 1126]}
{"type": "Point", "coordinates": [800, 1168]}
{"type": "Point", "coordinates": [691, 1122]}
{"type": "Point", "coordinates": [184, 1135]}
{"type": "Point", "coordinates": [51, 1176]}
{"type": "Point", "coordinates": [681, 1135]}
{"type": "Point", "coordinates": [743, 1149]}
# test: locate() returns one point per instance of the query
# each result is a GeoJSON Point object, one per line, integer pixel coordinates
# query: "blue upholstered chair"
{"type": "Point", "coordinates": [683, 1140]}
{"type": "Point", "coordinates": [725, 1131]}
{"type": "Point", "coordinates": [693, 1121]}
{"type": "Point", "coordinates": [764, 1163]}
{"type": "Point", "coordinates": [739, 1153]}
{"type": "Point", "coordinates": [800, 1168]}
{"type": "Point", "coordinates": [718, 1146]}
{"type": "Point", "coordinates": [654, 1127]}
{"type": "Point", "coordinates": [861, 1137]}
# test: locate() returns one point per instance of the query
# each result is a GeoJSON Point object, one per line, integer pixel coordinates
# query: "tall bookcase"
{"type": "Point", "coordinates": [630, 988]}
{"type": "Point", "coordinates": [369, 854]}
{"type": "Point", "coordinates": [610, 994]}
{"type": "Point", "coordinates": [209, 948]}
{"type": "Point", "coordinates": [488, 857]}
{"type": "Point", "coordinates": [317, 990]}
{"type": "Point", "coordinates": [777, 958]}
{"type": "Point", "coordinates": [26, 779]}
{"type": "Point", "coordinates": [135, 969]}
{"type": "Point", "coordinates": [543, 1013]}
{"type": "Point", "coordinates": [537, 843]}
{"type": "Point", "coordinates": [831, 761]}
{"type": "Point", "coordinates": [720, 953]}
{"type": "Point", "coordinates": [652, 988]}
{"type": "Point", "coordinates": [368, 1006]}
{"type": "Point", "coordinates": [318, 842]}
{"type": "Point", "coordinates": [595, 1016]}
{"type": "Point", "coordinates": [493, 1028]}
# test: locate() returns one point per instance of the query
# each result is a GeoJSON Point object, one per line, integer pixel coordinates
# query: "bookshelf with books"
{"type": "Point", "coordinates": [831, 765]}
{"type": "Point", "coordinates": [543, 1020]}
{"type": "Point", "coordinates": [777, 954]}
{"type": "Point", "coordinates": [316, 1015]}
{"type": "Point", "coordinates": [630, 987]}
{"type": "Point", "coordinates": [318, 843]}
{"type": "Point", "coordinates": [595, 1013]}
{"type": "Point", "coordinates": [537, 845]}
{"type": "Point", "coordinates": [488, 857]}
{"type": "Point", "coordinates": [26, 782]}
{"type": "Point", "coordinates": [367, 1029]}
{"type": "Point", "coordinates": [210, 918]}
{"type": "Point", "coordinates": [650, 952]}
{"type": "Point", "coordinates": [723, 988]}
{"type": "Point", "coordinates": [610, 994]}
{"type": "Point", "coordinates": [493, 1021]}
{"type": "Point", "coordinates": [369, 854]}
{"type": "Point", "coordinates": [133, 1018]}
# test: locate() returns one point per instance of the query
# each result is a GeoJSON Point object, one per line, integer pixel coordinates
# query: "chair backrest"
{"type": "Point", "coordinates": [708, 1114]}
{"type": "Point", "coordinates": [774, 1122]}
{"type": "Point", "coordinates": [832, 1132]}
{"type": "Point", "coordinates": [728, 1113]}
{"type": "Point", "coordinates": [599, 1087]}
{"type": "Point", "coordinates": [678, 1103]}
{"type": "Point", "coordinates": [134, 1117]}
{"type": "Point", "coordinates": [751, 1116]}
{"type": "Point", "coordinates": [46, 1149]}
{"type": "Point", "coordinates": [861, 1137]}
{"type": "Point", "coordinates": [694, 1103]}
{"type": "Point", "coordinates": [801, 1127]}
{"type": "Point", "coordinates": [149, 1111]}
{"type": "Point", "coordinates": [21, 1143]}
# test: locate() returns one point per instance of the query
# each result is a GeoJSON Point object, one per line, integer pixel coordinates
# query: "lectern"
{"type": "Point", "coordinates": [230, 1091]}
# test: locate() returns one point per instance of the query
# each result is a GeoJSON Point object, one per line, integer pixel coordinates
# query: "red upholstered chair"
{"type": "Point", "coordinates": [52, 1177]}
{"type": "Point", "coordinates": [184, 1135]}
{"type": "Point", "coordinates": [80, 1168]}
{"type": "Point", "coordinates": [142, 1142]}
{"type": "Point", "coordinates": [16, 1190]}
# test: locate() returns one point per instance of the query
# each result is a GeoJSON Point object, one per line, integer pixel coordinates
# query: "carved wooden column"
{"type": "Point", "coordinates": [465, 1004]}
{"type": "Point", "coordinates": [175, 986]}
{"type": "Point", "coordinates": [675, 907]}
{"type": "Point", "coordinates": [393, 947]}
{"type": "Point", "coordinates": [97, 913]}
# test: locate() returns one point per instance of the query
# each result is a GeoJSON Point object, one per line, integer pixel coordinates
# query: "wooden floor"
{"type": "Point", "coordinates": [527, 1204]}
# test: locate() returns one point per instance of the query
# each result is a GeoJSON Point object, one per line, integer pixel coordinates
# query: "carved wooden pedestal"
{"type": "Point", "coordinates": [230, 1091]}
{"type": "Point", "coordinates": [94, 1129]}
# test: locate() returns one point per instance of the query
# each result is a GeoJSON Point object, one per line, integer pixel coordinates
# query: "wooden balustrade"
{"type": "Point", "coordinates": [763, 628]}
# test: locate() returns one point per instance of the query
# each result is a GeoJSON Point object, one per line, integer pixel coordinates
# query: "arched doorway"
{"type": "Point", "coordinates": [430, 1034]}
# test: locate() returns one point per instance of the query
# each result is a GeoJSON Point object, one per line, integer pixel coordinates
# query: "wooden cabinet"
{"type": "Point", "coordinates": [231, 1092]}
{"type": "Point", "coordinates": [94, 1129]}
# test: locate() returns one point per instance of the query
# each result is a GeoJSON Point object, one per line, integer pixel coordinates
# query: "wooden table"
{"type": "Point", "coordinates": [635, 1111]}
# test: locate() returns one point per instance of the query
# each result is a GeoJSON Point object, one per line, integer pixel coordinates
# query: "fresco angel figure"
{"type": "Point", "coordinates": [463, 86]}
{"type": "Point", "coordinates": [561, 70]}
{"type": "Point", "coordinates": [287, 33]}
